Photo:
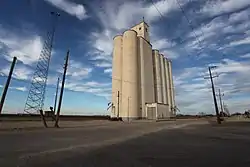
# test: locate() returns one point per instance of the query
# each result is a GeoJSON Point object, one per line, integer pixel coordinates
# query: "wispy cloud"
{"type": "Point", "coordinates": [103, 64]}
{"type": "Point", "coordinates": [108, 70]}
{"type": "Point", "coordinates": [26, 48]}
{"type": "Point", "coordinates": [94, 87]}
{"type": "Point", "coordinates": [23, 89]}
{"type": "Point", "coordinates": [21, 72]}
{"type": "Point", "coordinates": [78, 71]}
{"type": "Point", "coordinates": [245, 55]}
{"type": "Point", "coordinates": [71, 8]}
{"type": "Point", "coordinates": [218, 7]}
{"type": "Point", "coordinates": [190, 85]}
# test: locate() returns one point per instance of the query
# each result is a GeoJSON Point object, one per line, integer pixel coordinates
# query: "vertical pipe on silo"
{"type": "Point", "coordinates": [171, 88]}
{"type": "Point", "coordinates": [117, 75]}
{"type": "Point", "coordinates": [168, 85]}
{"type": "Point", "coordinates": [163, 76]}
{"type": "Point", "coordinates": [158, 78]}
{"type": "Point", "coordinates": [130, 78]}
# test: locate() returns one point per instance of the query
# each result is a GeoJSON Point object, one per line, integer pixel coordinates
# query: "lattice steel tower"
{"type": "Point", "coordinates": [36, 96]}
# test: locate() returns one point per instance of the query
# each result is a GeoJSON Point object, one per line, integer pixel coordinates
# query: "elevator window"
{"type": "Point", "coordinates": [140, 28]}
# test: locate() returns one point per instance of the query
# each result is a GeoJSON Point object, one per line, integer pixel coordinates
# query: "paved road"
{"type": "Point", "coordinates": [154, 144]}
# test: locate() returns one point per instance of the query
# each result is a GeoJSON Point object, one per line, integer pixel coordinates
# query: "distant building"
{"type": "Point", "coordinates": [142, 82]}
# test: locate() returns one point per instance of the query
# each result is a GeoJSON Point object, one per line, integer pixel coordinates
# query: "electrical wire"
{"type": "Point", "coordinates": [173, 39]}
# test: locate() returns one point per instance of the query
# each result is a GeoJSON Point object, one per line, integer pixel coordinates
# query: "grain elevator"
{"type": "Point", "coordinates": [142, 82]}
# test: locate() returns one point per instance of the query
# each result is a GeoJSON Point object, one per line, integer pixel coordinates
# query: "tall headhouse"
{"type": "Point", "coordinates": [142, 82]}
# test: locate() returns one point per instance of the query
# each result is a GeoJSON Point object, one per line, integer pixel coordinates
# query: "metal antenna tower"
{"type": "Point", "coordinates": [36, 96]}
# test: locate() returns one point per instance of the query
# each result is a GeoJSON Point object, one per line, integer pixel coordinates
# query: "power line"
{"type": "Point", "coordinates": [181, 41]}
{"type": "Point", "coordinates": [156, 8]}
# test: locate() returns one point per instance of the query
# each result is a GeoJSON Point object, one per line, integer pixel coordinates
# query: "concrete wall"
{"type": "Point", "coordinates": [168, 98]}
{"type": "Point", "coordinates": [130, 76]}
{"type": "Point", "coordinates": [157, 76]}
{"type": "Point", "coordinates": [171, 82]}
{"type": "Point", "coordinates": [163, 111]}
{"type": "Point", "coordinates": [163, 76]}
{"type": "Point", "coordinates": [116, 75]}
{"type": "Point", "coordinates": [146, 74]}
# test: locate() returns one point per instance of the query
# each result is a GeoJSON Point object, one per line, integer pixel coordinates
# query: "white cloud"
{"type": "Point", "coordinates": [115, 15]}
{"type": "Point", "coordinates": [244, 41]}
{"type": "Point", "coordinates": [103, 64]}
{"type": "Point", "coordinates": [96, 88]}
{"type": "Point", "coordinates": [108, 70]}
{"type": "Point", "coordinates": [162, 43]}
{"type": "Point", "coordinates": [190, 86]}
{"type": "Point", "coordinates": [245, 55]}
{"type": "Point", "coordinates": [23, 89]}
{"type": "Point", "coordinates": [78, 71]}
{"type": "Point", "coordinates": [170, 54]}
{"type": "Point", "coordinates": [26, 48]}
{"type": "Point", "coordinates": [20, 72]}
{"type": "Point", "coordinates": [96, 84]}
{"type": "Point", "coordinates": [224, 6]}
{"type": "Point", "coordinates": [71, 8]}
{"type": "Point", "coordinates": [240, 16]}
{"type": "Point", "coordinates": [228, 66]}
{"type": "Point", "coordinates": [115, 18]}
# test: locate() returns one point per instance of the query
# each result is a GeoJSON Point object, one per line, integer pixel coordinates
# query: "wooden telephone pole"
{"type": "Point", "coordinates": [62, 90]}
{"type": "Point", "coordinates": [214, 96]}
{"type": "Point", "coordinates": [5, 90]}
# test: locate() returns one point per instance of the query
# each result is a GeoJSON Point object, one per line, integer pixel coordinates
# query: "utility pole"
{"type": "Point", "coordinates": [5, 90]}
{"type": "Point", "coordinates": [62, 89]}
{"type": "Point", "coordinates": [221, 106]}
{"type": "Point", "coordinates": [57, 86]}
{"type": "Point", "coordinates": [118, 104]}
{"type": "Point", "coordinates": [214, 96]}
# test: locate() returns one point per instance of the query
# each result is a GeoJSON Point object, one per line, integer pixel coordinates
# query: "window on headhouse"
{"type": "Point", "coordinates": [146, 30]}
{"type": "Point", "coordinates": [140, 28]}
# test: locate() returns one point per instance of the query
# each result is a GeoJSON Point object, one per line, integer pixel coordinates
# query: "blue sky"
{"type": "Point", "coordinates": [203, 33]}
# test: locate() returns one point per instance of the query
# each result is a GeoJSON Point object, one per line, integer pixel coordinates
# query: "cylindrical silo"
{"type": "Point", "coordinates": [168, 90]}
{"type": "Point", "coordinates": [117, 76]}
{"type": "Point", "coordinates": [157, 76]}
{"type": "Point", "coordinates": [163, 78]}
{"type": "Point", "coordinates": [146, 74]}
{"type": "Point", "coordinates": [130, 76]}
{"type": "Point", "coordinates": [171, 88]}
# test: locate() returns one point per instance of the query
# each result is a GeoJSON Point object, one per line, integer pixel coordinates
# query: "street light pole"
{"type": "Point", "coordinates": [214, 97]}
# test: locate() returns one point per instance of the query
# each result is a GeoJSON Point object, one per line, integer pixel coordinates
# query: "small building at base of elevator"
{"type": "Point", "coordinates": [157, 111]}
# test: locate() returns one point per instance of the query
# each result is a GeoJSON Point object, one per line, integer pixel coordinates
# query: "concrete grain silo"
{"type": "Point", "coordinates": [163, 79]}
{"type": "Point", "coordinates": [158, 77]}
{"type": "Point", "coordinates": [142, 76]}
{"type": "Point", "coordinates": [146, 74]}
{"type": "Point", "coordinates": [171, 82]}
{"type": "Point", "coordinates": [130, 76]}
{"type": "Point", "coordinates": [117, 76]}
{"type": "Point", "coordinates": [168, 98]}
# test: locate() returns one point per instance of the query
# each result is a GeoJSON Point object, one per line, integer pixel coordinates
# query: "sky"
{"type": "Point", "coordinates": [194, 34]}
